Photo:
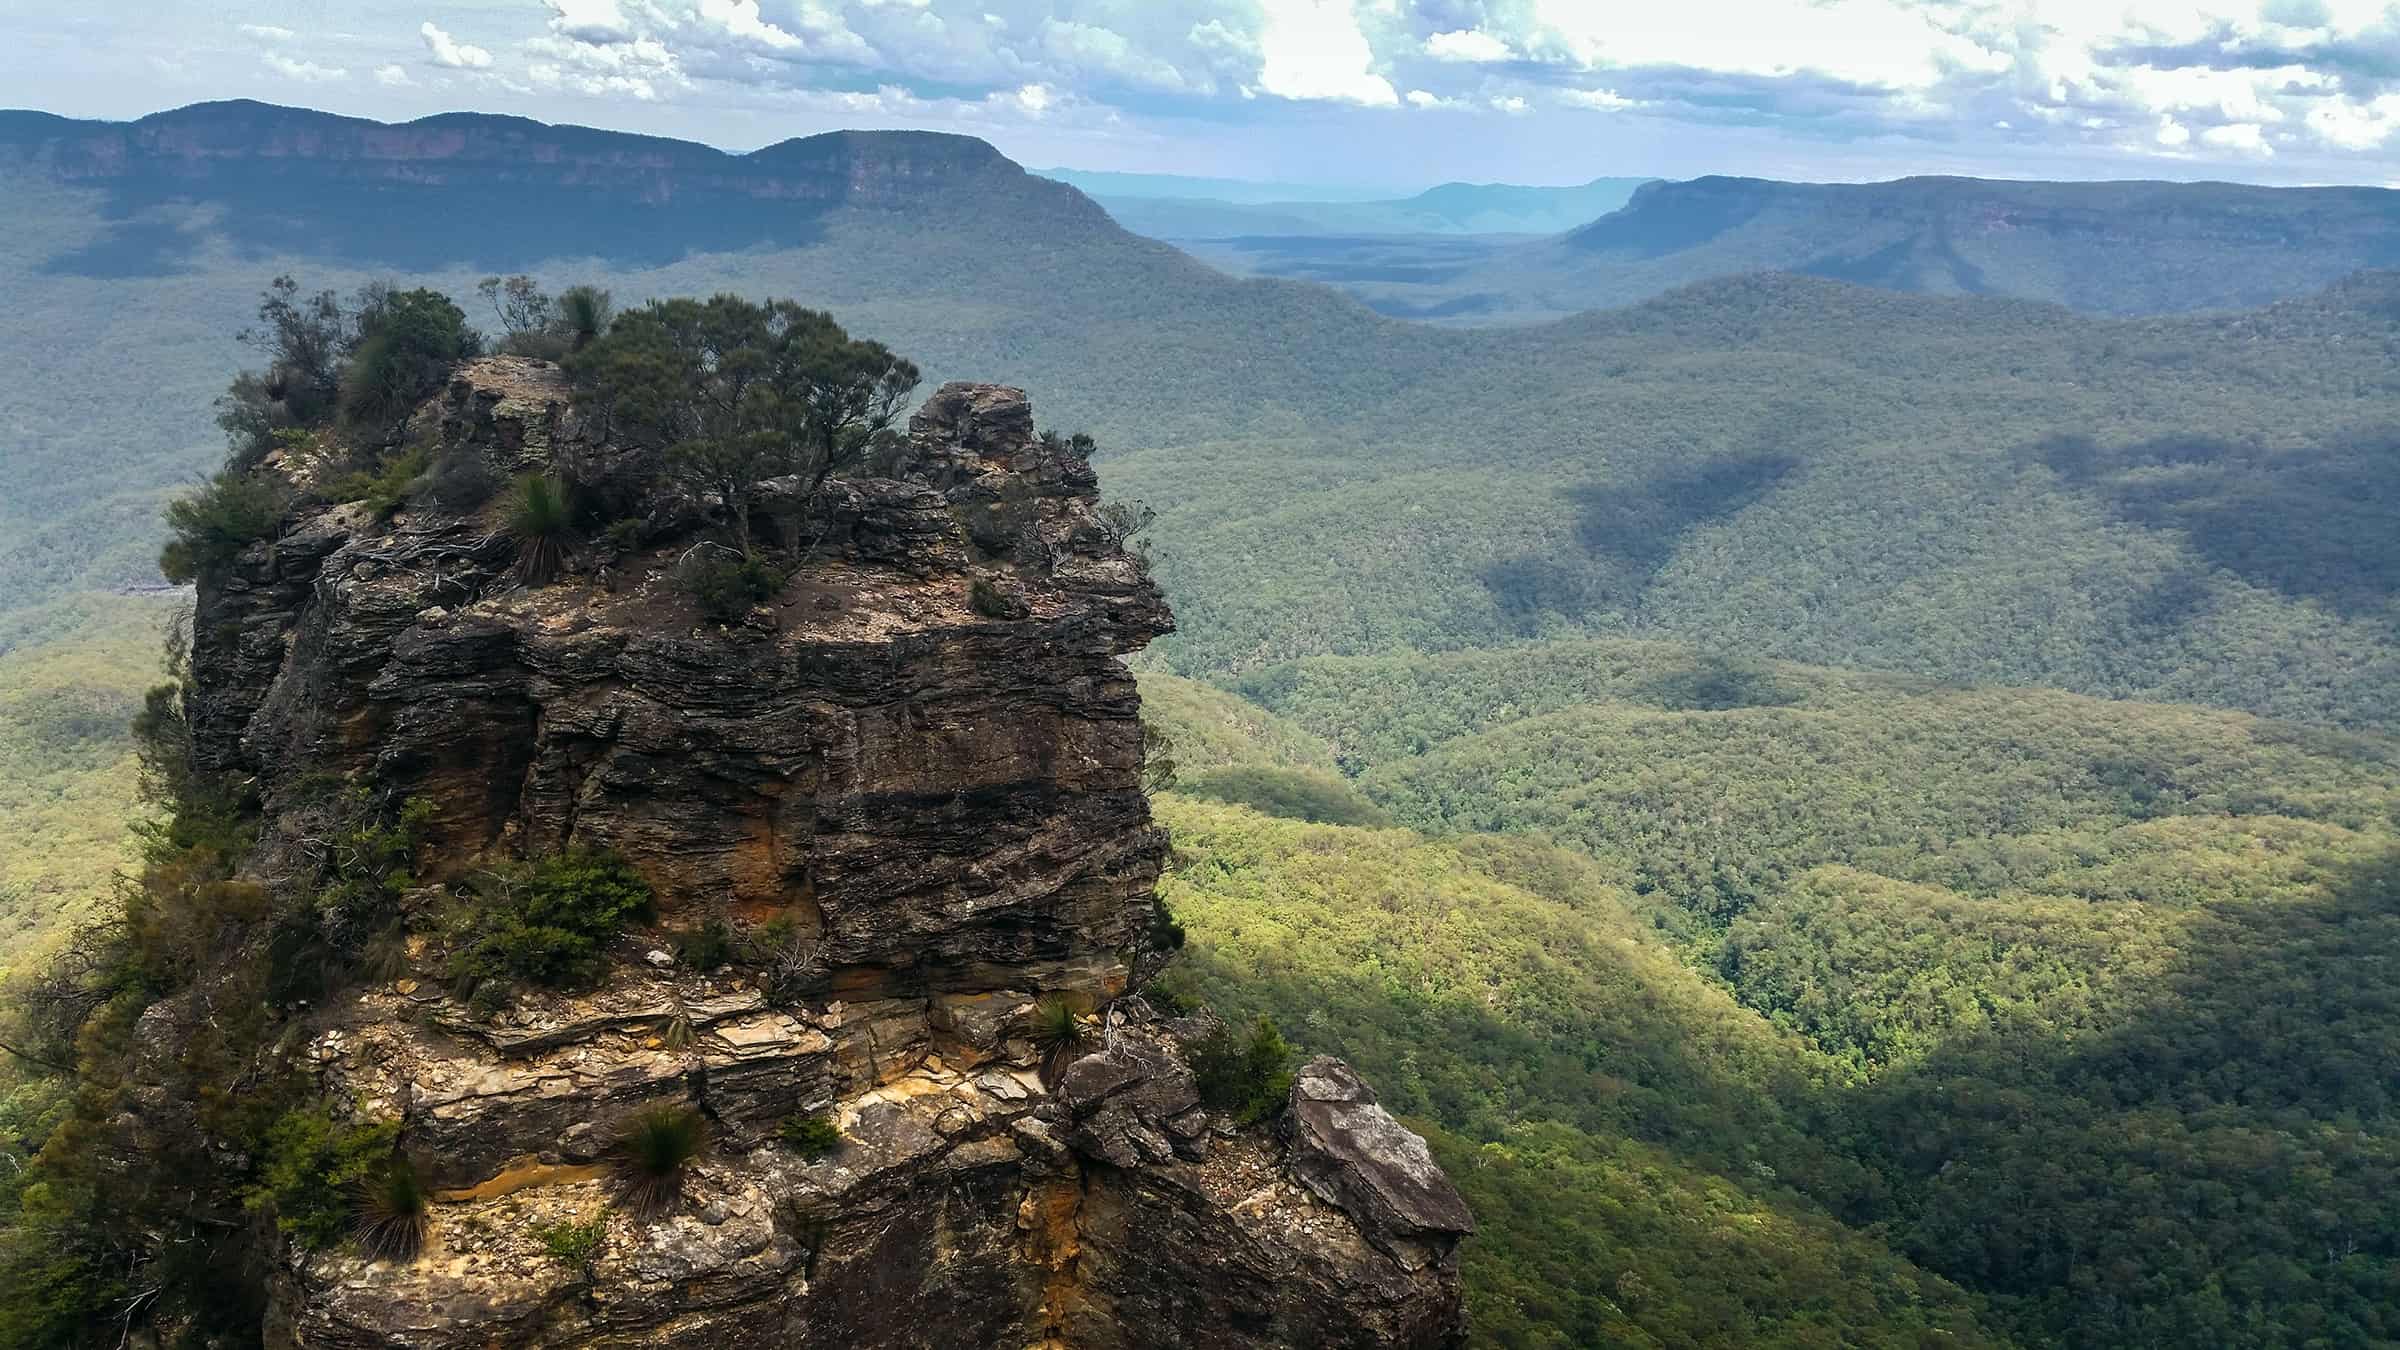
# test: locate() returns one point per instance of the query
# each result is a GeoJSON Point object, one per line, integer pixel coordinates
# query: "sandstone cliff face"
{"type": "Point", "coordinates": [945, 808]}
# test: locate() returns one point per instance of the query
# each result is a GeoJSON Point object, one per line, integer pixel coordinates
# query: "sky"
{"type": "Point", "coordinates": [1398, 93]}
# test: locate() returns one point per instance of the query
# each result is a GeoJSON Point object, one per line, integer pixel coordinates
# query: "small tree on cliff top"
{"type": "Point", "coordinates": [731, 392]}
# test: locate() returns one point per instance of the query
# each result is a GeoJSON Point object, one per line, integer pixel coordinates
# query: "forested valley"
{"type": "Point", "coordinates": [1849, 818]}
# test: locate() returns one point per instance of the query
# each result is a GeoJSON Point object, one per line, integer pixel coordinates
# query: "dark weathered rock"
{"type": "Point", "coordinates": [1352, 1154]}
{"type": "Point", "coordinates": [942, 804]}
{"type": "Point", "coordinates": [1132, 1103]}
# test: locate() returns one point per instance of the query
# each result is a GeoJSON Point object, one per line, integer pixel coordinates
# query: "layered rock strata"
{"type": "Point", "coordinates": [921, 760]}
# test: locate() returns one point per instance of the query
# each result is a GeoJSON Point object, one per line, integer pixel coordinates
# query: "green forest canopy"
{"type": "Point", "coordinates": [1976, 490]}
{"type": "Point", "coordinates": [1954, 1009]}
{"type": "Point", "coordinates": [2076, 1006]}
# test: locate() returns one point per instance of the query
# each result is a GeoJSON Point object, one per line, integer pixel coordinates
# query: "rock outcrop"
{"type": "Point", "coordinates": [921, 761]}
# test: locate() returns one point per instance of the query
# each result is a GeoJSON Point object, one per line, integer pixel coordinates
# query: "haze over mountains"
{"type": "Point", "coordinates": [1883, 766]}
{"type": "Point", "coordinates": [1184, 209]}
{"type": "Point", "coordinates": [2103, 248]}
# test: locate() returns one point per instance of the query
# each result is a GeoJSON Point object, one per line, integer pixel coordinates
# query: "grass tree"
{"type": "Point", "coordinates": [654, 1154]}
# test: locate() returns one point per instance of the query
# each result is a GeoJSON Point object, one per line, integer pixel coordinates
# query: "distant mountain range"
{"type": "Point", "coordinates": [478, 189]}
{"type": "Point", "coordinates": [1452, 208]}
{"type": "Point", "coordinates": [2104, 248]}
{"type": "Point", "coordinates": [1240, 191]}
{"type": "Point", "coordinates": [132, 252]}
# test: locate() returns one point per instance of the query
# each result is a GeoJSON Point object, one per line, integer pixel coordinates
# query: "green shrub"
{"type": "Point", "coordinates": [209, 526]}
{"type": "Point", "coordinates": [546, 920]}
{"type": "Point", "coordinates": [705, 946]}
{"type": "Point", "coordinates": [539, 522]}
{"type": "Point", "coordinates": [811, 1136]}
{"type": "Point", "coordinates": [725, 584]}
{"type": "Point", "coordinates": [1248, 1077]}
{"type": "Point", "coordinates": [654, 1152]}
{"type": "Point", "coordinates": [1166, 935]}
{"type": "Point", "coordinates": [407, 342]}
{"type": "Point", "coordinates": [383, 488]}
{"type": "Point", "coordinates": [991, 602]}
{"type": "Point", "coordinates": [771, 939]}
{"type": "Point", "coordinates": [314, 1168]}
{"type": "Point", "coordinates": [367, 852]}
{"type": "Point", "coordinates": [574, 1245]}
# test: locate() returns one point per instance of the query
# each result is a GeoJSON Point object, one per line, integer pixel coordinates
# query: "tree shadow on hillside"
{"type": "Point", "coordinates": [2312, 522]}
{"type": "Point", "coordinates": [1925, 262]}
{"type": "Point", "coordinates": [161, 229]}
{"type": "Point", "coordinates": [1629, 533]}
{"type": "Point", "coordinates": [2216, 1169]}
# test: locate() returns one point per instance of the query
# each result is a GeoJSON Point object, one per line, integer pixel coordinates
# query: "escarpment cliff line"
{"type": "Point", "coordinates": [242, 145]}
{"type": "Point", "coordinates": [907, 783]}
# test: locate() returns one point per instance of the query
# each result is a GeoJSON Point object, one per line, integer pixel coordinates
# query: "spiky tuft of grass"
{"type": "Point", "coordinates": [654, 1154]}
{"type": "Point", "coordinates": [538, 519]}
{"type": "Point", "coordinates": [393, 1211]}
{"type": "Point", "coordinates": [584, 312]}
{"type": "Point", "coordinates": [385, 957]}
{"type": "Point", "coordinates": [678, 1034]}
{"type": "Point", "coordinates": [1057, 1031]}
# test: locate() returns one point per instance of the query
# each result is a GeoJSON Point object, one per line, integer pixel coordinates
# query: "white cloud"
{"type": "Point", "coordinates": [2350, 125]}
{"type": "Point", "coordinates": [1218, 36]}
{"type": "Point", "coordinates": [596, 21]}
{"type": "Point", "coordinates": [2234, 95]}
{"type": "Point", "coordinates": [307, 72]}
{"type": "Point", "coordinates": [1602, 100]}
{"type": "Point", "coordinates": [1108, 52]}
{"type": "Point", "coordinates": [1008, 108]}
{"type": "Point", "coordinates": [546, 75]}
{"type": "Point", "coordinates": [1314, 49]}
{"type": "Point", "coordinates": [1882, 43]}
{"type": "Point", "coordinates": [642, 67]}
{"type": "Point", "coordinates": [448, 51]}
{"type": "Point", "coordinates": [392, 77]}
{"type": "Point", "coordinates": [1467, 44]}
{"type": "Point", "coordinates": [740, 19]}
{"type": "Point", "coordinates": [2314, 83]}
{"type": "Point", "coordinates": [2243, 137]}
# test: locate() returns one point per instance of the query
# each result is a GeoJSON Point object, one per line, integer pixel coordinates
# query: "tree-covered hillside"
{"type": "Point", "coordinates": [1968, 489]}
{"type": "Point", "coordinates": [1686, 755]}
{"type": "Point", "coordinates": [1971, 490]}
{"type": "Point", "coordinates": [2074, 1003]}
